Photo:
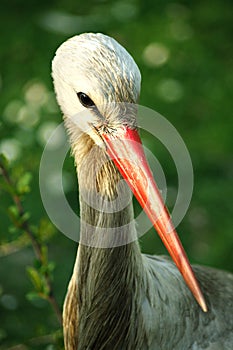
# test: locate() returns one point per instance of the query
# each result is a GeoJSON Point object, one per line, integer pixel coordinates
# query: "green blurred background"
{"type": "Point", "coordinates": [184, 51]}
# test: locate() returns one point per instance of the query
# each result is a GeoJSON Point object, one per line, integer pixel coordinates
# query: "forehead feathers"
{"type": "Point", "coordinates": [97, 64]}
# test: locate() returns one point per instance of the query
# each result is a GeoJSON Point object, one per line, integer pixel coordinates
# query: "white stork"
{"type": "Point", "coordinates": [118, 298]}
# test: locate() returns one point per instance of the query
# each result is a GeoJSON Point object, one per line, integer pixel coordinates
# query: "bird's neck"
{"type": "Point", "coordinates": [106, 210]}
{"type": "Point", "coordinates": [108, 268]}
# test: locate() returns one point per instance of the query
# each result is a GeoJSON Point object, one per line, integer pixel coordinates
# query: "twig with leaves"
{"type": "Point", "coordinates": [41, 273]}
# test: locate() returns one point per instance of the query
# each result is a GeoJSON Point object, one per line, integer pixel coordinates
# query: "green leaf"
{"type": "Point", "coordinates": [13, 212]}
{"type": "Point", "coordinates": [35, 278]}
{"type": "Point", "coordinates": [51, 266]}
{"type": "Point", "coordinates": [23, 183]}
{"type": "Point", "coordinates": [3, 161]}
{"type": "Point", "coordinates": [46, 229]}
{"type": "Point", "coordinates": [31, 296]}
{"type": "Point", "coordinates": [24, 218]}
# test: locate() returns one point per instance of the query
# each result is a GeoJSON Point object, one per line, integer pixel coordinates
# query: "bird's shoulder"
{"type": "Point", "coordinates": [168, 301]}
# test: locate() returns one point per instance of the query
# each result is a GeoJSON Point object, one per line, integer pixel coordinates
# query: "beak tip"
{"type": "Point", "coordinates": [203, 305]}
{"type": "Point", "coordinates": [200, 299]}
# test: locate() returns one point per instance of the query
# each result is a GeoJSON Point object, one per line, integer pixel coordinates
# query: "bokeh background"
{"type": "Point", "coordinates": [184, 51]}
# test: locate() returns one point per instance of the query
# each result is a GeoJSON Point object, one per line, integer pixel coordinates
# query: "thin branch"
{"type": "Point", "coordinates": [13, 247]}
{"type": "Point", "coordinates": [24, 225]}
{"type": "Point", "coordinates": [17, 347]}
{"type": "Point", "coordinates": [37, 247]}
{"type": "Point", "coordinates": [40, 340]}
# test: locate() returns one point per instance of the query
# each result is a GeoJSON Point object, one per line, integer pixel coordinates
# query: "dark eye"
{"type": "Point", "coordinates": [85, 100]}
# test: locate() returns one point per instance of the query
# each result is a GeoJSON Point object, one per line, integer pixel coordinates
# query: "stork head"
{"type": "Point", "coordinates": [93, 77]}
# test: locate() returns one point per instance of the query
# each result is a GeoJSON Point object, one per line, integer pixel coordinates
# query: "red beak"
{"type": "Point", "coordinates": [126, 151]}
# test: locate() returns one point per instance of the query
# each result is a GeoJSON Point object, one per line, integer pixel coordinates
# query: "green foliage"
{"type": "Point", "coordinates": [37, 281]}
{"type": "Point", "coordinates": [41, 274]}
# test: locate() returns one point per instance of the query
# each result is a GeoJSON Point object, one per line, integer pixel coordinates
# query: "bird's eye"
{"type": "Point", "coordinates": [85, 100]}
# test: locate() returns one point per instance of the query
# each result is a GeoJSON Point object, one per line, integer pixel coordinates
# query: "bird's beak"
{"type": "Point", "coordinates": [126, 151]}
